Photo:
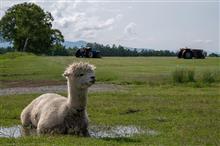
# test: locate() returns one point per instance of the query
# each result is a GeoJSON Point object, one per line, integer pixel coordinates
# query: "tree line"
{"type": "Point", "coordinates": [107, 50]}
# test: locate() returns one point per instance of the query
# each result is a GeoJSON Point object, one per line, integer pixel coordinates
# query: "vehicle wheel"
{"type": "Point", "coordinates": [77, 54]}
{"type": "Point", "coordinates": [188, 55]}
{"type": "Point", "coordinates": [90, 54]}
{"type": "Point", "coordinates": [179, 54]}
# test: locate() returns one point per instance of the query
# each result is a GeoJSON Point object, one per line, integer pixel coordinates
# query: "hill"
{"type": "Point", "coordinates": [78, 44]}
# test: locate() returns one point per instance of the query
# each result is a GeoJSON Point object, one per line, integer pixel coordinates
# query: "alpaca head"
{"type": "Point", "coordinates": [80, 74]}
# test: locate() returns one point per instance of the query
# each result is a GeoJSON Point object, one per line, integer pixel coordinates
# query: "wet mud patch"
{"type": "Point", "coordinates": [95, 131]}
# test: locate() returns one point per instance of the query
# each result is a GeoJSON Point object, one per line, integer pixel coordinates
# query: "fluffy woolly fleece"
{"type": "Point", "coordinates": [52, 113]}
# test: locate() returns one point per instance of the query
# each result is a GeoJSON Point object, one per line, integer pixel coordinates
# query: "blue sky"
{"type": "Point", "coordinates": [155, 24]}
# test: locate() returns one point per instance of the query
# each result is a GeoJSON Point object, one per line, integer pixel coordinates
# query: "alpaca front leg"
{"type": "Point", "coordinates": [43, 128]}
{"type": "Point", "coordinates": [25, 117]}
{"type": "Point", "coordinates": [51, 130]}
{"type": "Point", "coordinates": [85, 133]}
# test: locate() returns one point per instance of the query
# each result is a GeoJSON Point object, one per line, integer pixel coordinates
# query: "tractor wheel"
{"type": "Point", "coordinates": [179, 54]}
{"type": "Point", "coordinates": [77, 54]}
{"type": "Point", "coordinates": [90, 54]}
{"type": "Point", "coordinates": [188, 55]}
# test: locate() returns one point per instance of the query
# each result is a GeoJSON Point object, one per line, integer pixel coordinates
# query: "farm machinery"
{"type": "Point", "coordinates": [88, 53]}
{"type": "Point", "coordinates": [188, 53]}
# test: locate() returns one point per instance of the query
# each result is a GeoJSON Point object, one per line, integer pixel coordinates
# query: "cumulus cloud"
{"type": "Point", "coordinates": [130, 29]}
{"type": "Point", "coordinates": [129, 33]}
{"type": "Point", "coordinates": [77, 19]}
{"type": "Point", "coordinates": [95, 25]}
{"type": "Point", "coordinates": [68, 21]}
{"type": "Point", "coordinates": [83, 26]}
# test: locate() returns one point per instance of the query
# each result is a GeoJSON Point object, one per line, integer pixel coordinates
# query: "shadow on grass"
{"type": "Point", "coordinates": [122, 139]}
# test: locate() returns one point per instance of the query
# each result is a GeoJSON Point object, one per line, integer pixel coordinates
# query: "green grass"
{"type": "Point", "coordinates": [119, 70]}
{"type": "Point", "coordinates": [183, 114]}
{"type": "Point", "coordinates": [190, 116]}
{"type": "Point", "coordinates": [181, 75]}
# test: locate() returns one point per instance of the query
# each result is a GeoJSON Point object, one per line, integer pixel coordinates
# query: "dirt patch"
{"type": "Point", "coordinates": [130, 111]}
{"type": "Point", "coordinates": [57, 89]}
{"type": "Point", "coordinates": [30, 83]}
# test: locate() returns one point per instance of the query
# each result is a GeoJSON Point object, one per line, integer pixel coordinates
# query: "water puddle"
{"type": "Point", "coordinates": [95, 131]}
{"type": "Point", "coordinates": [10, 132]}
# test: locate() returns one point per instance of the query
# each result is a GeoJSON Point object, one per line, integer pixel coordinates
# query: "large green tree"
{"type": "Point", "coordinates": [29, 28]}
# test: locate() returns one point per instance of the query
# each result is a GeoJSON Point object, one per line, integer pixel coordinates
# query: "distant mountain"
{"type": "Point", "coordinates": [67, 44]}
{"type": "Point", "coordinates": [78, 44]}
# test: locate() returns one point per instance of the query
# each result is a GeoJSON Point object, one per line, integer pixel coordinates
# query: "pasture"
{"type": "Point", "coordinates": [180, 113]}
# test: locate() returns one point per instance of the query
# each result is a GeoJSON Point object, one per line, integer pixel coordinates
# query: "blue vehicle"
{"type": "Point", "coordinates": [88, 53]}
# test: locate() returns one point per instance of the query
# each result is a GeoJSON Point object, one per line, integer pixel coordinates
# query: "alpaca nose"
{"type": "Point", "coordinates": [93, 77]}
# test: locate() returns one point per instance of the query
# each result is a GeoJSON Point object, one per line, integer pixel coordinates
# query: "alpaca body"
{"type": "Point", "coordinates": [53, 113]}
{"type": "Point", "coordinates": [50, 113]}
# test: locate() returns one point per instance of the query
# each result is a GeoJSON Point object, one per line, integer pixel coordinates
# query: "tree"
{"type": "Point", "coordinates": [29, 28]}
{"type": "Point", "coordinates": [214, 55]}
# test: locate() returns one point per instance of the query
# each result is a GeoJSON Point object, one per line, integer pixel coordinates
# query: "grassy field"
{"type": "Point", "coordinates": [30, 69]}
{"type": "Point", "coordinates": [181, 113]}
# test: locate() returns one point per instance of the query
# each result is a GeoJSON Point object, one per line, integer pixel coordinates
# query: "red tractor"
{"type": "Point", "coordinates": [188, 53]}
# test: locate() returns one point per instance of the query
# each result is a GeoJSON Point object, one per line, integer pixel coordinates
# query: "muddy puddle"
{"type": "Point", "coordinates": [95, 131]}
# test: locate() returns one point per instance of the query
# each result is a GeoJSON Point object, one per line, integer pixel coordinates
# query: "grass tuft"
{"type": "Point", "coordinates": [181, 75]}
{"type": "Point", "coordinates": [209, 76]}
{"type": "Point", "coordinates": [186, 75]}
{"type": "Point", "coordinates": [191, 75]}
{"type": "Point", "coordinates": [178, 75]}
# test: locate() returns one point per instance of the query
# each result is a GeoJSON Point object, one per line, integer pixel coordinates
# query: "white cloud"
{"type": "Point", "coordinates": [83, 26]}
{"type": "Point", "coordinates": [129, 33]}
{"type": "Point", "coordinates": [68, 21]}
{"type": "Point", "coordinates": [90, 26]}
{"type": "Point", "coordinates": [96, 25]}
{"type": "Point", "coordinates": [77, 20]}
{"type": "Point", "coordinates": [130, 29]}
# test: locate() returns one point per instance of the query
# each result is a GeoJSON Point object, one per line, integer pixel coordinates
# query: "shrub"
{"type": "Point", "coordinates": [181, 75]}
{"type": "Point", "coordinates": [178, 75]}
{"type": "Point", "coordinates": [209, 76]}
{"type": "Point", "coordinates": [191, 75]}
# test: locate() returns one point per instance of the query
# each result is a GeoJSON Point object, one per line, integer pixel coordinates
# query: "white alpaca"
{"type": "Point", "coordinates": [53, 113]}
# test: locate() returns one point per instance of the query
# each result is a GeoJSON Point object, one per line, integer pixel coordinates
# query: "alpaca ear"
{"type": "Point", "coordinates": [93, 67]}
{"type": "Point", "coordinates": [65, 74]}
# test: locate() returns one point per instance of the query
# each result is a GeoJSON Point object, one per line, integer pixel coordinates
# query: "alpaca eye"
{"type": "Point", "coordinates": [81, 75]}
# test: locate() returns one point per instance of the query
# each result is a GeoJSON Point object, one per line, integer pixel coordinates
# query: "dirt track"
{"type": "Point", "coordinates": [56, 89]}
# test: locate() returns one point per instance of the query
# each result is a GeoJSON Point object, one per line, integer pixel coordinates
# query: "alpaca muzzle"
{"type": "Point", "coordinates": [93, 80]}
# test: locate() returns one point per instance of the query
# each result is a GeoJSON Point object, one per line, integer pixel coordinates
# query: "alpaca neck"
{"type": "Point", "coordinates": [77, 97]}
